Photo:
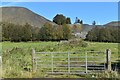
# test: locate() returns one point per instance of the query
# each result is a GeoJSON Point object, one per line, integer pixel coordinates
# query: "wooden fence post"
{"type": "Point", "coordinates": [108, 60]}
{"type": "Point", "coordinates": [33, 60]}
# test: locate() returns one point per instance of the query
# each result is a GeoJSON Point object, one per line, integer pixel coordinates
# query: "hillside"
{"type": "Point", "coordinates": [87, 27]}
{"type": "Point", "coordinates": [20, 15]}
{"type": "Point", "coordinates": [113, 23]}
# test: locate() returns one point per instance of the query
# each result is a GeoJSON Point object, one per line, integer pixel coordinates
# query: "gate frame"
{"type": "Point", "coordinates": [108, 60]}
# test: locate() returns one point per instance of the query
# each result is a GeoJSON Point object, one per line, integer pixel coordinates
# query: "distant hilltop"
{"type": "Point", "coordinates": [21, 15]}
{"type": "Point", "coordinates": [113, 23]}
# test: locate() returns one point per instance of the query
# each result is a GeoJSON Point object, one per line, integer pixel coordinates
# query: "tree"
{"type": "Point", "coordinates": [81, 22]}
{"type": "Point", "coordinates": [117, 36]}
{"type": "Point", "coordinates": [5, 31]}
{"type": "Point", "coordinates": [66, 32]}
{"type": "Point", "coordinates": [103, 34]}
{"type": "Point", "coordinates": [11, 32]}
{"type": "Point", "coordinates": [94, 23]}
{"type": "Point", "coordinates": [90, 36]}
{"type": "Point", "coordinates": [68, 20]}
{"type": "Point", "coordinates": [35, 34]}
{"type": "Point", "coordinates": [16, 33]}
{"type": "Point", "coordinates": [78, 21]}
{"type": "Point", "coordinates": [93, 35]}
{"type": "Point", "coordinates": [47, 32]}
{"type": "Point", "coordinates": [27, 32]}
{"type": "Point", "coordinates": [59, 32]}
{"type": "Point", "coordinates": [59, 19]}
{"type": "Point", "coordinates": [76, 28]}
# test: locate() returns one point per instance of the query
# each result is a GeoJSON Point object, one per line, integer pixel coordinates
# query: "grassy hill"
{"type": "Point", "coordinates": [21, 15]}
{"type": "Point", "coordinates": [113, 24]}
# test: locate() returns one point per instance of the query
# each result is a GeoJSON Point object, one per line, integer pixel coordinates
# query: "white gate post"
{"type": "Point", "coordinates": [69, 62]}
{"type": "Point", "coordinates": [108, 60]}
{"type": "Point", "coordinates": [33, 61]}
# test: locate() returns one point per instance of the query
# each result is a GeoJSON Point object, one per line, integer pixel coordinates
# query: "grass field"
{"type": "Point", "coordinates": [23, 50]}
{"type": "Point", "coordinates": [49, 45]}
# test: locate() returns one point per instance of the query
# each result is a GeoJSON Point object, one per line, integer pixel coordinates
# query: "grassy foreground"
{"type": "Point", "coordinates": [23, 51]}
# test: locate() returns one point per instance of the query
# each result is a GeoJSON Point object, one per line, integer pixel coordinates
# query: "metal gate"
{"type": "Point", "coordinates": [81, 62]}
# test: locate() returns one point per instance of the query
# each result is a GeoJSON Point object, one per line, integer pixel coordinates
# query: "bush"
{"type": "Point", "coordinates": [84, 44]}
{"type": "Point", "coordinates": [104, 34]}
{"type": "Point", "coordinates": [108, 74]}
{"type": "Point", "coordinates": [75, 43]}
{"type": "Point", "coordinates": [16, 62]}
